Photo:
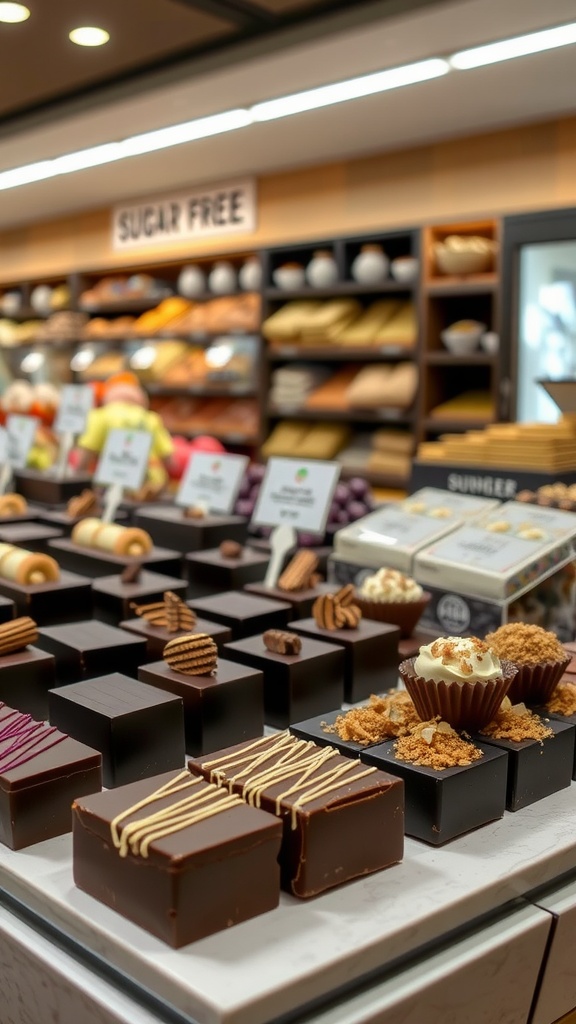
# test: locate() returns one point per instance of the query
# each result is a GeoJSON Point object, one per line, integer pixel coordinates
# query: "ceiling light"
{"type": "Point", "coordinates": [519, 46]}
{"type": "Point", "coordinates": [351, 89]}
{"type": "Point", "coordinates": [89, 35]}
{"type": "Point", "coordinates": [12, 14]}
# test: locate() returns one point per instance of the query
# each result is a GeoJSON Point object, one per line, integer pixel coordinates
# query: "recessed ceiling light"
{"type": "Point", "coordinates": [11, 14]}
{"type": "Point", "coordinates": [89, 35]}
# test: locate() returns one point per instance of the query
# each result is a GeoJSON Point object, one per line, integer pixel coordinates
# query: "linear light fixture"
{"type": "Point", "coordinates": [518, 46]}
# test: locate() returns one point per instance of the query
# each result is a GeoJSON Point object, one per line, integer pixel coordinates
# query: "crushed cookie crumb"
{"type": "Point", "coordinates": [516, 723]}
{"type": "Point", "coordinates": [382, 719]}
{"type": "Point", "coordinates": [525, 644]}
{"type": "Point", "coordinates": [563, 700]}
{"type": "Point", "coordinates": [432, 746]}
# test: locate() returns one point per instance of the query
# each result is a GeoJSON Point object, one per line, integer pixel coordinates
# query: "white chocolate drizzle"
{"type": "Point", "coordinates": [293, 759]}
{"type": "Point", "coordinates": [197, 806]}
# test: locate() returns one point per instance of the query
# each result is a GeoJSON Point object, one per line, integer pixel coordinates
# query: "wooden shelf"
{"type": "Point", "coordinates": [380, 416]}
{"type": "Point", "coordinates": [376, 479]}
{"type": "Point", "coordinates": [123, 307]}
{"type": "Point", "coordinates": [200, 390]}
{"type": "Point", "coordinates": [447, 426]}
{"type": "Point", "coordinates": [28, 313]}
{"type": "Point", "coordinates": [340, 289]}
{"type": "Point", "coordinates": [334, 354]}
{"type": "Point", "coordinates": [472, 284]}
{"type": "Point", "coordinates": [442, 358]}
{"type": "Point", "coordinates": [243, 440]}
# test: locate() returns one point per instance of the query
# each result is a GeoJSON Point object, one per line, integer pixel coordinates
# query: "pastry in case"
{"type": "Point", "coordinates": [169, 525]}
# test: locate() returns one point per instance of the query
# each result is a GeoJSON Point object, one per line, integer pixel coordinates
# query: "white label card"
{"type": "Point", "coordinates": [124, 460]}
{"type": "Point", "coordinates": [212, 480]}
{"type": "Point", "coordinates": [21, 433]}
{"type": "Point", "coordinates": [76, 401]}
{"type": "Point", "coordinates": [297, 493]}
{"type": "Point", "coordinates": [3, 446]}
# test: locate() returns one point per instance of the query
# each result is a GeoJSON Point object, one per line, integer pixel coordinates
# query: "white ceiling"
{"type": "Point", "coordinates": [530, 88]}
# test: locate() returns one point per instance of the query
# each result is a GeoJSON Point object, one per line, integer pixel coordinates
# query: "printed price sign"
{"type": "Point", "coordinates": [125, 459]}
{"type": "Point", "coordinates": [296, 493]}
{"type": "Point", "coordinates": [3, 446]}
{"type": "Point", "coordinates": [21, 433]}
{"type": "Point", "coordinates": [212, 480]}
{"type": "Point", "coordinates": [76, 402]}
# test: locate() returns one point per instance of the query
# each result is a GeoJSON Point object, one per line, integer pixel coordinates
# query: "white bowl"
{"type": "Point", "coordinates": [462, 342]}
{"type": "Point", "coordinates": [289, 278]}
{"type": "Point", "coordinates": [404, 269]}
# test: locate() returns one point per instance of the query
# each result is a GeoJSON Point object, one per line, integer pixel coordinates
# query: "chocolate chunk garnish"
{"type": "Point", "coordinates": [281, 642]}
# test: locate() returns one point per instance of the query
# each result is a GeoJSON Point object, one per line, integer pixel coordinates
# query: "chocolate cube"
{"type": "Point", "coordinates": [158, 636]}
{"type": "Point", "coordinates": [59, 518]}
{"type": "Point", "coordinates": [89, 649]}
{"type": "Point", "coordinates": [25, 678]}
{"type": "Point", "coordinates": [68, 599]}
{"type": "Point", "coordinates": [219, 710]}
{"type": "Point", "coordinates": [537, 769]}
{"type": "Point", "coordinates": [312, 730]}
{"type": "Point", "coordinates": [169, 526]}
{"type": "Point", "coordinates": [556, 716]}
{"type": "Point", "coordinates": [30, 535]}
{"type": "Point", "coordinates": [296, 686]}
{"type": "Point", "coordinates": [300, 600]}
{"type": "Point", "coordinates": [95, 563]}
{"type": "Point", "coordinates": [38, 783]}
{"type": "Point", "coordinates": [244, 614]}
{"type": "Point", "coordinates": [138, 730]}
{"type": "Point", "coordinates": [113, 598]}
{"type": "Point", "coordinates": [441, 805]}
{"type": "Point", "coordinates": [196, 881]}
{"type": "Point", "coordinates": [210, 573]}
{"type": "Point", "coordinates": [340, 821]}
{"type": "Point", "coordinates": [370, 655]}
{"type": "Point", "coordinates": [7, 609]}
{"type": "Point", "coordinates": [38, 485]}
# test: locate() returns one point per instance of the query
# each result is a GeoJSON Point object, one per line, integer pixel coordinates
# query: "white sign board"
{"type": "Point", "coordinates": [21, 434]}
{"type": "Point", "coordinates": [227, 209]}
{"type": "Point", "coordinates": [296, 493]}
{"type": "Point", "coordinates": [212, 480]}
{"type": "Point", "coordinates": [76, 401]}
{"type": "Point", "coordinates": [124, 460]}
{"type": "Point", "coordinates": [3, 446]}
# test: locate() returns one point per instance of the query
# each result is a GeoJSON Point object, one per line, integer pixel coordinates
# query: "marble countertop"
{"type": "Point", "coordinates": [304, 949]}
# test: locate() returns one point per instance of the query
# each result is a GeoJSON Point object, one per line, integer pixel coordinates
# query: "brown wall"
{"type": "Point", "coordinates": [526, 168]}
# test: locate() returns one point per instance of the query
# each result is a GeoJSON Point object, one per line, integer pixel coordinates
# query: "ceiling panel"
{"type": "Point", "coordinates": [287, 6]}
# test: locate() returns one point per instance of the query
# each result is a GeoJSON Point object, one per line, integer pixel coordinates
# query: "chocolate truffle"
{"type": "Point", "coordinates": [85, 650]}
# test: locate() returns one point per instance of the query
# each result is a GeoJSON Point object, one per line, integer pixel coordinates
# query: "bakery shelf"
{"type": "Point", "coordinates": [438, 426]}
{"type": "Point", "coordinates": [392, 480]}
{"type": "Point", "coordinates": [201, 390]}
{"type": "Point", "coordinates": [442, 358]}
{"type": "Point", "coordinates": [342, 288]}
{"type": "Point", "coordinates": [123, 306]}
{"type": "Point", "coordinates": [334, 354]}
{"type": "Point", "coordinates": [28, 313]}
{"type": "Point", "coordinates": [472, 284]}
{"type": "Point", "coordinates": [385, 415]}
{"type": "Point", "coordinates": [231, 437]}
{"type": "Point", "coordinates": [202, 337]}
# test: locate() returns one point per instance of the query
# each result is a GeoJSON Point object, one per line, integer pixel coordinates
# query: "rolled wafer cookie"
{"type": "Point", "coordinates": [297, 574]}
{"type": "Point", "coordinates": [82, 504]}
{"type": "Point", "coordinates": [27, 567]}
{"type": "Point", "coordinates": [16, 635]}
{"type": "Point", "coordinates": [12, 504]}
{"type": "Point", "coordinates": [329, 614]}
{"type": "Point", "coordinates": [281, 642]}
{"type": "Point", "coordinates": [345, 596]}
{"type": "Point", "coordinates": [154, 613]}
{"type": "Point", "coordinates": [349, 616]}
{"type": "Point", "coordinates": [121, 540]}
{"type": "Point", "coordinates": [195, 654]}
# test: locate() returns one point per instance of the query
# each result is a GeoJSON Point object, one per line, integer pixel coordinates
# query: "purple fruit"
{"type": "Point", "coordinates": [254, 492]}
{"type": "Point", "coordinates": [343, 517]}
{"type": "Point", "coordinates": [265, 531]}
{"type": "Point", "coordinates": [245, 488]}
{"type": "Point", "coordinates": [310, 540]}
{"type": "Point", "coordinates": [341, 494]}
{"type": "Point", "coordinates": [358, 487]}
{"type": "Point", "coordinates": [256, 473]}
{"type": "Point", "coordinates": [356, 510]}
{"type": "Point", "coordinates": [245, 507]}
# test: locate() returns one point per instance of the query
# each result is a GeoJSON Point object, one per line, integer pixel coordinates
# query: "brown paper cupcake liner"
{"type": "Point", "coordinates": [405, 614]}
{"type": "Point", "coordinates": [535, 684]}
{"type": "Point", "coordinates": [464, 705]}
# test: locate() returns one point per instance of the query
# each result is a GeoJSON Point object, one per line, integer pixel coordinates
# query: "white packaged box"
{"type": "Point", "coordinates": [393, 535]}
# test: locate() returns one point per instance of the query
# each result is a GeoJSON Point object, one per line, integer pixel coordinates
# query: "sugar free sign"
{"type": "Point", "coordinates": [227, 209]}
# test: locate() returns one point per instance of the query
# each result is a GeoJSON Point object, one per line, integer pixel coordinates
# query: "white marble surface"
{"type": "Point", "coordinates": [557, 994]}
{"type": "Point", "coordinates": [305, 949]}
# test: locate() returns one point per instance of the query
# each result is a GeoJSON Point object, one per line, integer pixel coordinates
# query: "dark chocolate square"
{"type": "Point", "coordinates": [210, 573]}
{"type": "Point", "coordinates": [243, 613]}
{"type": "Point", "coordinates": [138, 729]}
{"type": "Point", "coordinates": [199, 880]}
{"type": "Point", "coordinates": [569, 719]}
{"type": "Point", "coordinates": [370, 655]}
{"type": "Point", "coordinates": [7, 609]}
{"type": "Point", "coordinates": [101, 563]}
{"type": "Point", "coordinates": [30, 535]}
{"type": "Point", "coordinates": [441, 805]}
{"type": "Point", "coordinates": [88, 649]}
{"type": "Point", "coordinates": [25, 678]}
{"type": "Point", "coordinates": [38, 485]}
{"type": "Point", "coordinates": [157, 636]}
{"type": "Point", "coordinates": [537, 769]}
{"type": "Point", "coordinates": [113, 598]}
{"type": "Point", "coordinates": [68, 599]}
{"type": "Point", "coordinates": [38, 786]}
{"type": "Point", "coordinates": [300, 600]}
{"type": "Point", "coordinates": [295, 686]}
{"type": "Point", "coordinates": [219, 710]}
{"type": "Point", "coordinates": [169, 527]}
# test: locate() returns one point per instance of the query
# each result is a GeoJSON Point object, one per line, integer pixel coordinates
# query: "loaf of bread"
{"type": "Point", "coordinates": [119, 540]}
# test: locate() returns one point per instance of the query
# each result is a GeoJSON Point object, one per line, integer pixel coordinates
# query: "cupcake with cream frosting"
{"type": "Point", "coordinates": [458, 678]}
{"type": "Point", "coordinates": [537, 654]}
{"type": "Point", "coordinates": [391, 596]}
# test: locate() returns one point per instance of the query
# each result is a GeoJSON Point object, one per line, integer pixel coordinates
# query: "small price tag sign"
{"type": "Point", "coordinates": [212, 480]}
{"type": "Point", "coordinates": [296, 493]}
{"type": "Point", "coordinates": [76, 402]}
{"type": "Point", "coordinates": [21, 431]}
{"type": "Point", "coordinates": [124, 460]}
{"type": "Point", "coordinates": [3, 446]}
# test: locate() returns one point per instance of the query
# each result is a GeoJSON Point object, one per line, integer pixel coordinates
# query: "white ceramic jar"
{"type": "Point", "coordinates": [191, 282]}
{"type": "Point", "coordinates": [222, 279]}
{"type": "Point", "coordinates": [371, 265]}
{"type": "Point", "coordinates": [250, 275]}
{"type": "Point", "coordinates": [322, 271]}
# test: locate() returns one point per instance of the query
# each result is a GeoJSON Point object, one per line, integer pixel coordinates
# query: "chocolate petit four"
{"type": "Point", "coordinates": [88, 649]}
{"type": "Point", "coordinates": [37, 485]}
{"type": "Point", "coordinates": [383, 718]}
{"type": "Point", "coordinates": [243, 613]}
{"type": "Point", "coordinates": [41, 772]}
{"type": "Point", "coordinates": [161, 621]}
{"type": "Point", "coordinates": [227, 567]}
{"type": "Point", "coordinates": [223, 701]}
{"type": "Point", "coordinates": [138, 729]}
{"type": "Point", "coordinates": [340, 821]}
{"type": "Point", "coordinates": [171, 526]}
{"type": "Point", "coordinates": [299, 584]}
{"type": "Point", "coordinates": [300, 680]}
{"type": "Point", "coordinates": [37, 586]}
{"type": "Point", "coordinates": [98, 548]}
{"type": "Point", "coordinates": [26, 674]}
{"type": "Point", "coordinates": [115, 596]}
{"type": "Point", "coordinates": [370, 648]}
{"type": "Point", "coordinates": [177, 856]}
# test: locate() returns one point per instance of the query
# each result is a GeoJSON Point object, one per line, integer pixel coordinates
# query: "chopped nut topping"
{"type": "Point", "coordinates": [381, 719]}
{"type": "Point", "coordinates": [563, 700]}
{"type": "Point", "coordinates": [435, 745]}
{"type": "Point", "coordinates": [516, 723]}
{"type": "Point", "coordinates": [525, 645]}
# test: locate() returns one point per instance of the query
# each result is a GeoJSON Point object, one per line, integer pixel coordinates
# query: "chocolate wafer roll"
{"type": "Point", "coordinates": [349, 617]}
{"type": "Point", "coordinates": [154, 613]}
{"type": "Point", "coordinates": [296, 575]}
{"type": "Point", "coordinates": [82, 504]}
{"type": "Point", "coordinates": [195, 654]}
{"type": "Point", "coordinates": [281, 642]}
{"type": "Point", "coordinates": [325, 612]}
{"type": "Point", "coordinates": [16, 635]}
{"type": "Point", "coordinates": [178, 615]}
{"type": "Point", "coordinates": [345, 596]}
